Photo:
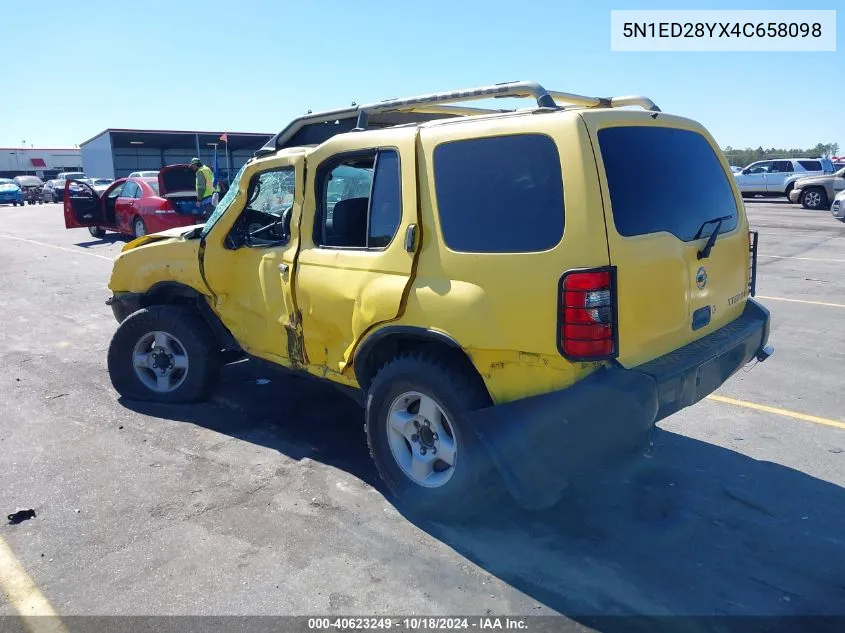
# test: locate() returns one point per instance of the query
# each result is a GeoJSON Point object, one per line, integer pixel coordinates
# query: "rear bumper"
{"type": "Point", "coordinates": [536, 443]}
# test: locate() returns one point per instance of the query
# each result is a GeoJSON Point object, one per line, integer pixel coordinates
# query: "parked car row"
{"type": "Point", "coordinates": [777, 177]}
{"type": "Point", "coordinates": [814, 183]}
{"type": "Point", "coordinates": [818, 192]}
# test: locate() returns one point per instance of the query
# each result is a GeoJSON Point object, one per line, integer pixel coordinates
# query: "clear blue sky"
{"type": "Point", "coordinates": [251, 66]}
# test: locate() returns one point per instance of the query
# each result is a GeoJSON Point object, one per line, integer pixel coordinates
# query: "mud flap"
{"type": "Point", "coordinates": [538, 443]}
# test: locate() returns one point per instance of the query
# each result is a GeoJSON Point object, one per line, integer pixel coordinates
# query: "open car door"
{"type": "Point", "coordinates": [83, 206]}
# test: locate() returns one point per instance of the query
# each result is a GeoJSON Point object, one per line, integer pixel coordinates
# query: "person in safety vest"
{"type": "Point", "coordinates": [205, 187]}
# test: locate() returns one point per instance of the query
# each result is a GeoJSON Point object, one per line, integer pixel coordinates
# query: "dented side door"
{"type": "Point", "coordinates": [342, 292]}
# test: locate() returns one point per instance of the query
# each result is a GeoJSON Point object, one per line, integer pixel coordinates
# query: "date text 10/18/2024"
{"type": "Point", "coordinates": [418, 624]}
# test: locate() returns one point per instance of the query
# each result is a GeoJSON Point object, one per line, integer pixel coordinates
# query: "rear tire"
{"type": "Point", "coordinates": [139, 229]}
{"type": "Point", "coordinates": [178, 340]}
{"type": "Point", "coordinates": [454, 487]}
{"type": "Point", "coordinates": [815, 198]}
{"type": "Point", "coordinates": [97, 231]}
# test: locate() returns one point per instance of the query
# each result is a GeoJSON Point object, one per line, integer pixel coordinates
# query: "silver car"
{"type": "Point", "coordinates": [837, 209]}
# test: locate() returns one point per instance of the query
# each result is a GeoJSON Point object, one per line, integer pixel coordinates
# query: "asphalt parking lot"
{"type": "Point", "coordinates": [264, 500]}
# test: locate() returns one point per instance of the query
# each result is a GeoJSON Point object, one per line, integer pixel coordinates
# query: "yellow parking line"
{"type": "Point", "coordinates": [815, 303]}
{"type": "Point", "coordinates": [60, 248]}
{"type": "Point", "coordinates": [22, 593]}
{"type": "Point", "coordinates": [778, 411]}
{"type": "Point", "coordinates": [805, 259]}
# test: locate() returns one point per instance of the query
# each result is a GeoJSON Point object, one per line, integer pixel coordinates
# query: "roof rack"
{"type": "Point", "coordinates": [318, 127]}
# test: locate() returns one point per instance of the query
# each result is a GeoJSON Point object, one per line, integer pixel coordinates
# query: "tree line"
{"type": "Point", "coordinates": [743, 157]}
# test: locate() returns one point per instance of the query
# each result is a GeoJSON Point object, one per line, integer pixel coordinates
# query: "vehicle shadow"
{"type": "Point", "coordinates": [688, 529]}
{"type": "Point", "coordinates": [108, 238]}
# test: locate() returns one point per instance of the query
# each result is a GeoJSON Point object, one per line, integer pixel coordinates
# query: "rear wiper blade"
{"type": "Point", "coordinates": [705, 252]}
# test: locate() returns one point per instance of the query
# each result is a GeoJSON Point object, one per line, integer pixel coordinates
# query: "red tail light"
{"type": "Point", "coordinates": [588, 314]}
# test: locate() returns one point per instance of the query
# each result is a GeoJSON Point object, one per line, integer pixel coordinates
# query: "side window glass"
{"type": "Point", "coordinates": [500, 194]}
{"type": "Point", "coordinates": [344, 196]}
{"type": "Point", "coordinates": [117, 191]}
{"type": "Point", "coordinates": [761, 168]}
{"type": "Point", "coordinates": [128, 190]}
{"type": "Point", "coordinates": [386, 200]}
{"type": "Point", "coordinates": [265, 220]}
{"type": "Point", "coordinates": [782, 167]}
{"type": "Point", "coordinates": [271, 192]}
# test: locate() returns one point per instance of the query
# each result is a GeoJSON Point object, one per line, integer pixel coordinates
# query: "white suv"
{"type": "Point", "coordinates": [777, 176]}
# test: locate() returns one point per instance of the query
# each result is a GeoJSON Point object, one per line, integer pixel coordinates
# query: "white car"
{"type": "Point", "coordinates": [837, 209]}
{"type": "Point", "coordinates": [143, 174]}
{"type": "Point", "coordinates": [776, 177]}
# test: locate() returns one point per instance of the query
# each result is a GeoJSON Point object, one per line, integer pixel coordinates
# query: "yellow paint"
{"type": "Point", "coordinates": [658, 293]}
{"type": "Point", "coordinates": [254, 298]}
{"type": "Point", "coordinates": [24, 596]}
{"type": "Point", "coordinates": [815, 303]}
{"type": "Point", "coordinates": [501, 308]}
{"type": "Point", "coordinates": [342, 293]}
{"type": "Point", "coordinates": [778, 411]}
{"type": "Point", "coordinates": [154, 259]}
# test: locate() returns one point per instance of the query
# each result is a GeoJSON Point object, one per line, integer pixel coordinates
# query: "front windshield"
{"type": "Point", "coordinates": [225, 203]}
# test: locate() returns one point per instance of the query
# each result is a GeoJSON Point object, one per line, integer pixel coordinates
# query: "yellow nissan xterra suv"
{"type": "Point", "coordinates": [521, 292]}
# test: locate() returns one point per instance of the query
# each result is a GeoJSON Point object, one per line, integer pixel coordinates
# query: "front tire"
{"type": "Point", "coordinates": [163, 354]}
{"type": "Point", "coordinates": [814, 199]}
{"type": "Point", "coordinates": [425, 452]}
{"type": "Point", "coordinates": [97, 231]}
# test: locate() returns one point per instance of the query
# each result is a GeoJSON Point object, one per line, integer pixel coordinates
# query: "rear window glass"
{"type": "Point", "coordinates": [810, 165]}
{"type": "Point", "coordinates": [665, 179]}
{"type": "Point", "coordinates": [501, 194]}
{"type": "Point", "coordinates": [153, 184]}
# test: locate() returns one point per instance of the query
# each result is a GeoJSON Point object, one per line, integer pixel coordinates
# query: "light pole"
{"type": "Point", "coordinates": [23, 151]}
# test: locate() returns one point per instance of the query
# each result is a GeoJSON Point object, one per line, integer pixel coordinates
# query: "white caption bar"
{"type": "Point", "coordinates": [723, 30]}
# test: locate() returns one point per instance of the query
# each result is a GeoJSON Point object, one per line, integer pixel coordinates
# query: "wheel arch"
{"type": "Point", "coordinates": [390, 341]}
{"type": "Point", "coordinates": [179, 294]}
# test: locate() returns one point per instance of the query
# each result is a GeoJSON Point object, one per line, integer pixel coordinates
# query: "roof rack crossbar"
{"type": "Point", "coordinates": [436, 102]}
{"type": "Point", "coordinates": [496, 91]}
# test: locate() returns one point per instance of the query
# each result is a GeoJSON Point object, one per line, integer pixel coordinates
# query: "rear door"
{"type": "Point", "coordinates": [124, 208]}
{"type": "Point", "coordinates": [83, 207]}
{"type": "Point", "coordinates": [776, 178]}
{"type": "Point", "coordinates": [660, 210]}
{"type": "Point", "coordinates": [353, 266]}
